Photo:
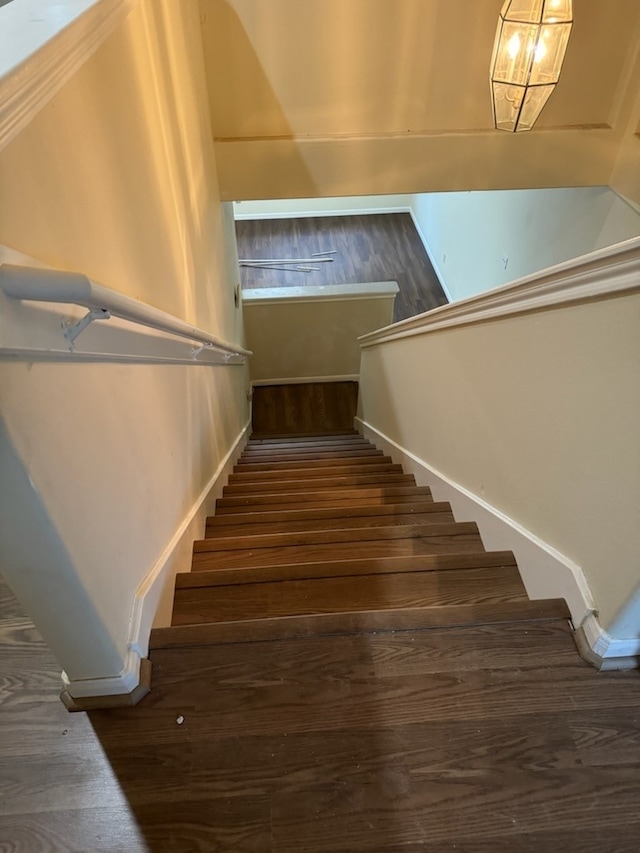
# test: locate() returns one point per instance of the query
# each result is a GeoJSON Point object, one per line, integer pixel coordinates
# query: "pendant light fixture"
{"type": "Point", "coordinates": [531, 42]}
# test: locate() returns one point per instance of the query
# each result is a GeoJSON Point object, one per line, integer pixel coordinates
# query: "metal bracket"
{"type": "Point", "coordinates": [195, 352]}
{"type": "Point", "coordinates": [72, 330]}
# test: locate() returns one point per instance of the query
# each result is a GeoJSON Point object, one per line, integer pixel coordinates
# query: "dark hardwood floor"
{"type": "Point", "coordinates": [374, 247]}
{"type": "Point", "coordinates": [497, 739]}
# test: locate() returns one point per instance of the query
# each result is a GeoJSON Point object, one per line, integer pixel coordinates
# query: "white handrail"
{"type": "Point", "coordinates": [44, 285]}
{"type": "Point", "coordinates": [598, 275]}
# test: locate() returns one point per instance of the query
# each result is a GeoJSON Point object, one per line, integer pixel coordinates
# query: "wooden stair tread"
{"type": "Point", "coordinates": [418, 618]}
{"type": "Point", "coordinates": [344, 567]}
{"type": "Point", "coordinates": [320, 534]}
{"type": "Point", "coordinates": [319, 484]}
{"type": "Point", "coordinates": [367, 468]}
{"type": "Point", "coordinates": [344, 594]}
{"type": "Point", "coordinates": [244, 521]}
{"type": "Point", "coordinates": [283, 467]}
{"type": "Point", "coordinates": [374, 496]}
{"type": "Point", "coordinates": [272, 527]}
{"type": "Point", "coordinates": [318, 437]}
{"type": "Point", "coordinates": [427, 543]}
{"type": "Point", "coordinates": [323, 451]}
{"type": "Point", "coordinates": [322, 537]}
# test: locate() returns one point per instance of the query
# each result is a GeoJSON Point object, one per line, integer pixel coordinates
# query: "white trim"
{"type": "Point", "coordinates": [604, 646]}
{"type": "Point", "coordinates": [545, 572]}
{"type": "Point", "coordinates": [427, 248]}
{"type": "Point", "coordinates": [148, 593]}
{"type": "Point", "coordinates": [34, 284]}
{"type": "Point", "coordinates": [614, 270]}
{"type": "Point", "coordinates": [302, 380]}
{"type": "Point", "coordinates": [320, 293]}
{"type": "Point", "coordinates": [45, 51]}
{"type": "Point", "coordinates": [115, 685]}
{"type": "Point", "coordinates": [307, 214]}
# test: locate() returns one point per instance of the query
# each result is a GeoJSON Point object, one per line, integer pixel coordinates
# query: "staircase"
{"type": "Point", "coordinates": [321, 534]}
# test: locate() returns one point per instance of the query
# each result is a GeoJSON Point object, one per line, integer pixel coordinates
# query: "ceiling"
{"type": "Point", "coordinates": [323, 70]}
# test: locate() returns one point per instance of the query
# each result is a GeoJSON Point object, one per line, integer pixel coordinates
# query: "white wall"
{"type": "Point", "coordinates": [538, 416]}
{"type": "Point", "coordinates": [102, 464]}
{"type": "Point", "coordinates": [469, 235]}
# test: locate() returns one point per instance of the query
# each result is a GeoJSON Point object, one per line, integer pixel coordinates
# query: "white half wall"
{"type": "Point", "coordinates": [536, 415]}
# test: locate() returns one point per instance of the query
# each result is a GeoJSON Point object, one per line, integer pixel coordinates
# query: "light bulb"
{"type": "Point", "coordinates": [513, 45]}
{"type": "Point", "coordinates": [541, 50]}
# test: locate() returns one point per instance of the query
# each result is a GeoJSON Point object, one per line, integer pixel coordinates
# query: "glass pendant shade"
{"type": "Point", "coordinates": [531, 42]}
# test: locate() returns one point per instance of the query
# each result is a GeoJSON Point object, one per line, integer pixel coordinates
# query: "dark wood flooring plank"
{"type": "Point", "coordinates": [504, 803]}
{"type": "Point", "coordinates": [370, 247]}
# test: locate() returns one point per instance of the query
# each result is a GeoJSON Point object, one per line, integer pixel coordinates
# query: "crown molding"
{"type": "Point", "coordinates": [42, 45]}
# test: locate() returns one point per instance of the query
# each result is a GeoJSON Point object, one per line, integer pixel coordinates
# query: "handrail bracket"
{"type": "Point", "coordinates": [72, 330]}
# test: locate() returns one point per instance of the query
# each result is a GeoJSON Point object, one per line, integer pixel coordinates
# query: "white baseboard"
{"type": "Point", "coordinates": [607, 652]}
{"type": "Point", "coordinates": [303, 380]}
{"type": "Point", "coordinates": [545, 572]}
{"type": "Point", "coordinates": [306, 214]}
{"type": "Point", "coordinates": [177, 555]}
{"type": "Point", "coordinates": [427, 248]}
{"type": "Point", "coordinates": [115, 685]}
{"type": "Point", "coordinates": [157, 587]}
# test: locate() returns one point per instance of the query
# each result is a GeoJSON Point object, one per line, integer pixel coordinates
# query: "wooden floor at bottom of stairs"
{"type": "Point", "coordinates": [492, 739]}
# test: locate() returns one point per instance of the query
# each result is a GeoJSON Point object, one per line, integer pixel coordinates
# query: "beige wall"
{"type": "Point", "coordinates": [358, 97]}
{"type": "Point", "coordinates": [538, 416]}
{"type": "Point", "coordinates": [314, 334]}
{"type": "Point", "coordinates": [116, 178]}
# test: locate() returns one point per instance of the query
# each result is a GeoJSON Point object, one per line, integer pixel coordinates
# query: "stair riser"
{"type": "Point", "coordinates": [343, 594]}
